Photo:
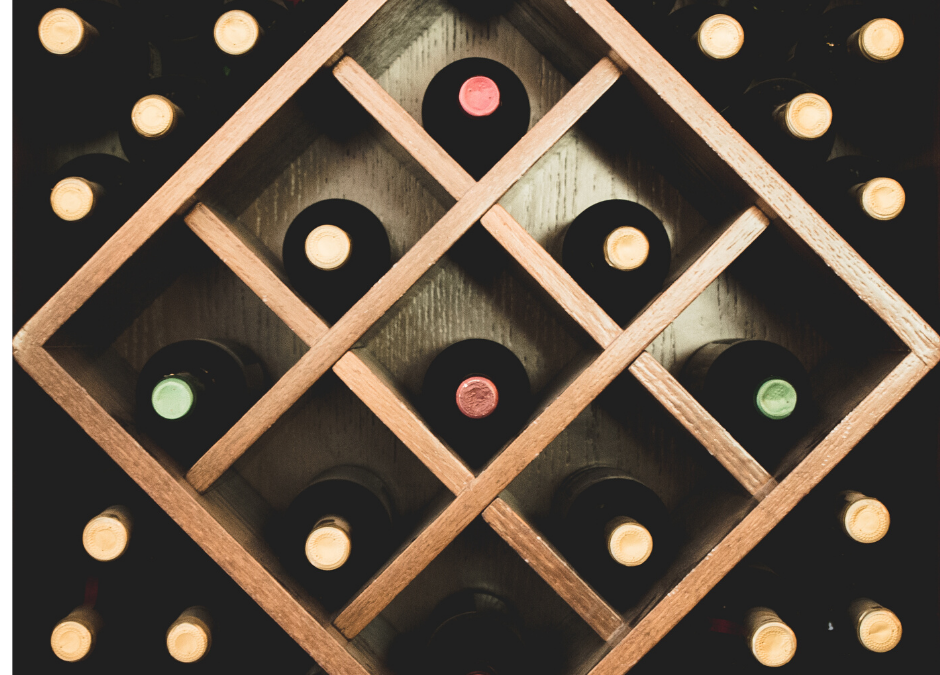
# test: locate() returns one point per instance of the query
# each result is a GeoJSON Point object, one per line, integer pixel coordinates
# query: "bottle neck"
{"type": "Point", "coordinates": [106, 536]}
{"type": "Point", "coordinates": [719, 37]}
{"type": "Point", "coordinates": [878, 41]}
{"type": "Point", "coordinates": [64, 33]}
{"type": "Point", "coordinates": [74, 199]}
{"type": "Point", "coordinates": [862, 518]}
{"type": "Point", "coordinates": [328, 247]}
{"type": "Point", "coordinates": [628, 542]}
{"type": "Point", "coordinates": [155, 117]}
{"type": "Point", "coordinates": [237, 33]}
{"type": "Point", "coordinates": [189, 637]}
{"type": "Point", "coordinates": [775, 399]}
{"type": "Point", "coordinates": [74, 637]}
{"type": "Point", "coordinates": [176, 396]}
{"type": "Point", "coordinates": [626, 248]}
{"type": "Point", "coordinates": [479, 96]}
{"type": "Point", "coordinates": [878, 629]}
{"type": "Point", "coordinates": [879, 198]}
{"type": "Point", "coordinates": [477, 397]}
{"type": "Point", "coordinates": [771, 641]}
{"type": "Point", "coordinates": [805, 117]}
{"type": "Point", "coordinates": [329, 544]}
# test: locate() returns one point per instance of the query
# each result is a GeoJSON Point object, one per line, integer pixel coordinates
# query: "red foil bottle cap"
{"type": "Point", "coordinates": [479, 96]}
{"type": "Point", "coordinates": [477, 397]}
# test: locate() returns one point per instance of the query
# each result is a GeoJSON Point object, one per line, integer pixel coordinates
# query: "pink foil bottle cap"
{"type": "Point", "coordinates": [479, 96]}
{"type": "Point", "coordinates": [477, 397]}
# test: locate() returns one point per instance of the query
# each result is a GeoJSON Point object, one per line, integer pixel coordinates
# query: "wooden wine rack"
{"type": "Point", "coordinates": [592, 45]}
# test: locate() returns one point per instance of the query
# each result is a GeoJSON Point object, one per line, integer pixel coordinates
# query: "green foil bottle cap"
{"type": "Point", "coordinates": [173, 398]}
{"type": "Point", "coordinates": [776, 399]}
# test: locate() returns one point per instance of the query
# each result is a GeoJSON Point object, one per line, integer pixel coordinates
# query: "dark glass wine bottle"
{"type": "Point", "coordinates": [855, 627]}
{"type": "Point", "coordinates": [788, 123]}
{"type": "Point", "coordinates": [778, 23]}
{"type": "Point", "coordinates": [476, 396]}
{"type": "Point", "coordinates": [713, 49]}
{"type": "Point", "coordinates": [336, 533]}
{"type": "Point", "coordinates": [191, 392]}
{"type": "Point", "coordinates": [173, 20]}
{"type": "Point", "coordinates": [189, 637]}
{"type": "Point", "coordinates": [615, 531]}
{"type": "Point", "coordinates": [474, 633]}
{"type": "Point", "coordinates": [75, 636]}
{"type": "Point", "coordinates": [757, 390]}
{"type": "Point", "coordinates": [476, 109]}
{"type": "Point", "coordinates": [619, 253]}
{"type": "Point", "coordinates": [334, 251]}
{"type": "Point", "coordinates": [94, 194]}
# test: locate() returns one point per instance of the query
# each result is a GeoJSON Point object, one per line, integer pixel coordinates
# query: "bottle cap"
{"type": "Point", "coordinates": [62, 31]}
{"type": "Point", "coordinates": [73, 638]}
{"type": "Point", "coordinates": [629, 543]}
{"type": "Point", "coordinates": [106, 535]}
{"type": "Point", "coordinates": [173, 398]}
{"type": "Point", "coordinates": [154, 116]}
{"type": "Point", "coordinates": [879, 630]}
{"type": "Point", "coordinates": [626, 248]}
{"type": "Point", "coordinates": [190, 636]}
{"type": "Point", "coordinates": [479, 96]}
{"type": "Point", "coordinates": [73, 198]}
{"type": "Point", "coordinates": [866, 520]}
{"type": "Point", "coordinates": [329, 544]}
{"type": "Point", "coordinates": [880, 39]}
{"type": "Point", "coordinates": [720, 37]}
{"type": "Point", "coordinates": [776, 399]}
{"type": "Point", "coordinates": [808, 116]}
{"type": "Point", "coordinates": [882, 198]}
{"type": "Point", "coordinates": [328, 247]}
{"type": "Point", "coordinates": [477, 397]}
{"type": "Point", "coordinates": [773, 643]}
{"type": "Point", "coordinates": [236, 32]}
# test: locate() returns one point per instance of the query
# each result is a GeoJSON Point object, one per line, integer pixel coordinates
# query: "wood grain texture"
{"type": "Point", "coordinates": [705, 428]}
{"type": "Point", "coordinates": [326, 351]}
{"type": "Point", "coordinates": [177, 194]}
{"type": "Point", "coordinates": [651, 628]}
{"type": "Point", "coordinates": [772, 192]}
{"type": "Point", "coordinates": [553, 568]}
{"type": "Point", "coordinates": [559, 412]}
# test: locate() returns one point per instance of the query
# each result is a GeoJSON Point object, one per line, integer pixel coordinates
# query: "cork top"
{"type": "Point", "coordinates": [628, 542]}
{"type": "Point", "coordinates": [329, 544]}
{"type": "Point", "coordinates": [73, 638]}
{"type": "Point", "coordinates": [173, 398]}
{"type": "Point", "coordinates": [882, 198]}
{"type": "Point", "coordinates": [808, 116]}
{"type": "Point", "coordinates": [236, 32]}
{"type": "Point", "coordinates": [880, 40]}
{"type": "Point", "coordinates": [879, 630]}
{"type": "Point", "coordinates": [866, 520]}
{"type": "Point", "coordinates": [73, 198]}
{"type": "Point", "coordinates": [776, 399]}
{"type": "Point", "coordinates": [328, 247]}
{"type": "Point", "coordinates": [626, 248]}
{"type": "Point", "coordinates": [773, 643]}
{"type": "Point", "coordinates": [189, 637]}
{"type": "Point", "coordinates": [105, 537]}
{"type": "Point", "coordinates": [479, 96]}
{"type": "Point", "coordinates": [720, 37]}
{"type": "Point", "coordinates": [62, 32]}
{"type": "Point", "coordinates": [154, 116]}
{"type": "Point", "coordinates": [477, 397]}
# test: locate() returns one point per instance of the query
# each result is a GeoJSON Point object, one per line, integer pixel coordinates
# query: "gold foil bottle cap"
{"type": "Point", "coordinates": [878, 629]}
{"type": "Point", "coordinates": [626, 248]}
{"type": "Point", "coordinates": [880, 40]}
{"type": "Point", "coordinates": [772, 642]}
{"type": "Point", "coordinates": [864, 519]}
{"type": "Point", "coordinates": [882, 198]}
{"type": "Point", "coordinates": [73, 638]}
{"type": "Point", "coordinates": [328, 247]}
{"type": "Point", "coordinates": [106, 535]}
{"type": "Point", "coordinates": [628, 542]}
{"type": "Point", "coordinates": [63, 32]}
{"type": "Point", "coordinates": [155, 116]}
{"type": "Point", "coordinates": [74, 198]}
{"type": "Point", "coordinates": [190, 636]}
{"type": "Point", "coordinates": [720, 37]}
{"type": "Point", "coordinates": [329, 543]}
{"type": "Point", "coordinates": [807, 116]}
{"type": "Point", "coordinates": [236, 32]}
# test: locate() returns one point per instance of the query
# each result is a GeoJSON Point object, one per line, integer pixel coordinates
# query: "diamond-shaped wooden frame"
{"type": "Point", "coordinates": [205, 515]}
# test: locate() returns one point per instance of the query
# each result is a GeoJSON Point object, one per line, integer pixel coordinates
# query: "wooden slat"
{"type": "Point", "coordinates": [547, 425]}
{"type": "Point", "coordinates": [246, 256]}
{"type": "Point", "coordinates": [705, 428]}
{"type": "Point", "coordinates": [553, 568]}
{"type": "Point", "coordinates": [504, 228]}
{"type": "Point", "coordinates": [651, 628]}
{"type": "Point", "coordinates": [774, 194]}
{"type": "Point", "coordinates": [341, 337]}
{"type": "Point", "coordinates": [177, 194]}
{"type": "Point", "coordinates": [304, 623]}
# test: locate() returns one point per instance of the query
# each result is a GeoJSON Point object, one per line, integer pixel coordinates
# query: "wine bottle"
{"type": "Point", "coordinates": [476, 396]}
{"type": "Point", "coordinates": [615, 531]}
{"type": "Point", "coordinates": [778, 22]}
{"type": "Point", "coordinates": [97, 192]}
{"type": "Point", "coordinates": [864, 623]}
{"type": "Point", "coordinates": [107, 535]}
{"type": "Point", "coordinates": [474, 633]}
{"type": "Point", "coordinates": [336, 533]}
{"type": "Point", "coordinates": [707, 45]}
{"type": "Point", "coordinates": [619, 253]}
{"type": "Point", "coordinates": [476, 109]}
{"type": "Point", "coordinates": [757, 390]}
{"type": "Point", "coordinates": [189, 637]}
{"type": "Point", "coordinates": [191, 392]}
{"type": "Point", "coordinates": [173, 20]}
{"type": "Point", "coordinates": [334, 251]}
{"type": "Point", "coordinates": [74, 637]}
{"type": "Point", "coordinates": [788, 123]}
